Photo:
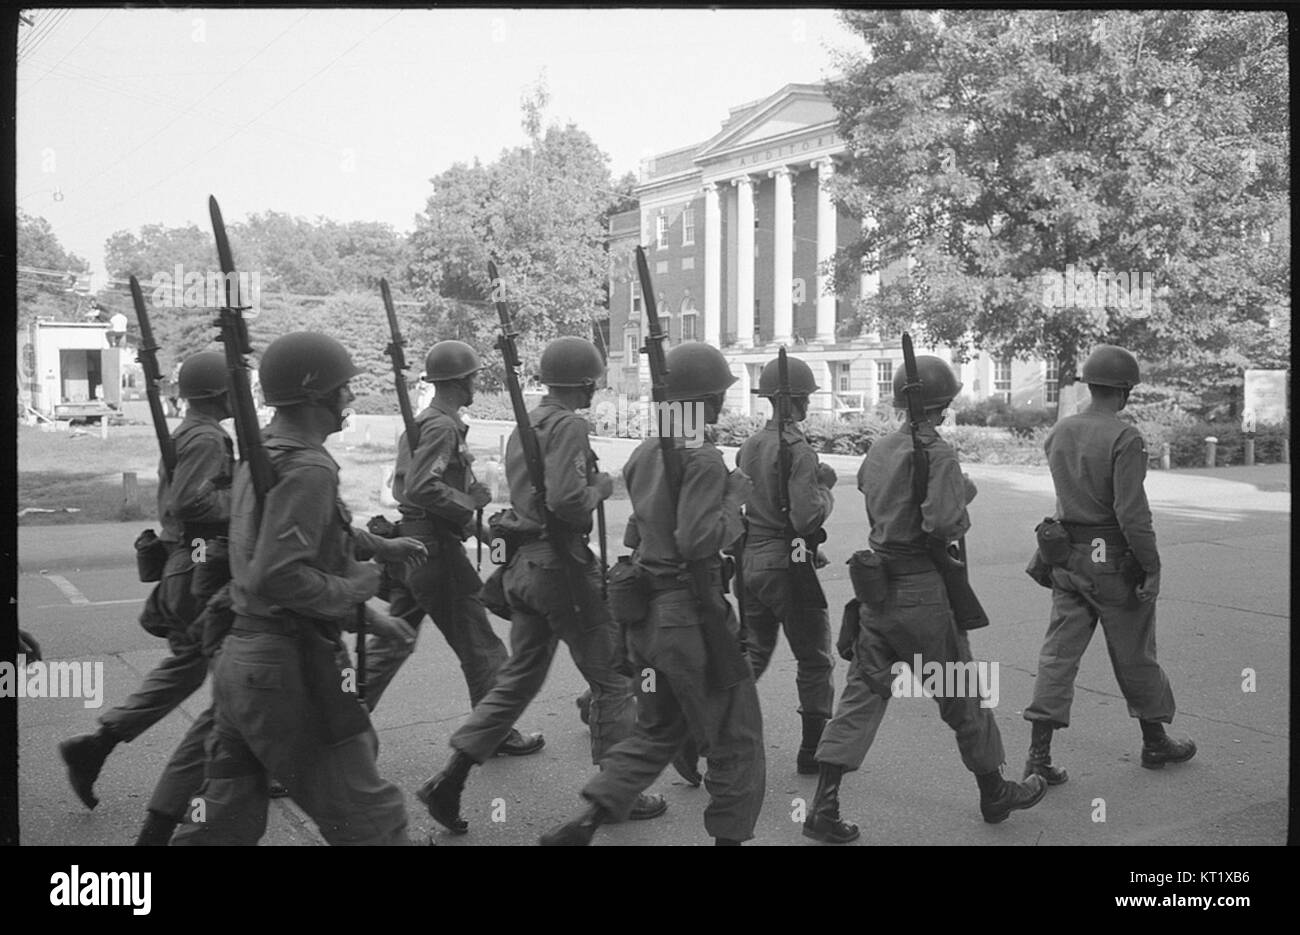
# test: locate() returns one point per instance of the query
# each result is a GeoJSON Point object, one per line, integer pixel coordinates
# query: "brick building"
{"type": "Point", "coordinates": [734, 230]}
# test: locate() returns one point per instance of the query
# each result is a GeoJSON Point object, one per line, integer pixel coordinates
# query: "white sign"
{"type": "Point", "coordinates": [1266, 396]}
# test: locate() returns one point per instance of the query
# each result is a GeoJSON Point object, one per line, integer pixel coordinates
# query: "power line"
{"type": "Point", "coordinates": [68, 53]}
{"type": "Point", "coordinates": [42, 31]}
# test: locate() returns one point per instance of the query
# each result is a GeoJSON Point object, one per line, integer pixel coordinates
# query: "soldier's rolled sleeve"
{"type": "Point", "coordinates": [943, 514]}
{"type": "Point", "coordinates": [569, 495]}
{"type": "Point", "coordinates": [297, 516]}
{"type": "Point", "coordinates": [810, 502]}
{"type": "Point", "coordinates": [424, 484]}
{"type": "Point", "coordinates": [702, 523]}
{"type": "Point", "coordinates": [1132, 511]}
{"type": "Point", "coordinates": [632, 534]}
{"type": "Point", "coordinates": [195, 499]}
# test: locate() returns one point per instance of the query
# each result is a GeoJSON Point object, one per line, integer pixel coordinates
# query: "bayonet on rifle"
{"type": "Point", "coordinates": [148, 357]}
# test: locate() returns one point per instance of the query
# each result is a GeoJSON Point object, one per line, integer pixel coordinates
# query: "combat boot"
{"type": "Point", "coordinates": [1158, 748]}
{"type": "Point", "coordinates": [647, 805]}
{"type": "Point", "coordinates": [687, 763]}
{"type": "Point", "coordinates": [806, 759]}
{"type": "Point", "coordinates": [823, 822]}
{"type": "Point", "coordinates": [85, 756]}
{"type": "Point", "coordinates": [1040, 756]}
{"type": "Point", "coordinates": [441, 794]}
{"type": "Point", "coordinates": [157, 830]}
{"type": "Point", "coordinates": [517, 744]}
{"type": "Point", "coordinates": [577, 831]}
{"type": "Point", "coordinates": [1000, 797]}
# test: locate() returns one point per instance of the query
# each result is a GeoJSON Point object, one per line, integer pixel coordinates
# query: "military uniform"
{"type": "Point", "coordinates": [726, 725]}
{"type": "Point", "coordinates": [282, 704]}
{"type": "Point", "coordinates": [433, 490]}
{"type": "Point", "coordinates": [535, 588]}
{"type": "Point", "coordinates": [769, 602]}
{"type": "Point", "coordinates": [1098, 465]}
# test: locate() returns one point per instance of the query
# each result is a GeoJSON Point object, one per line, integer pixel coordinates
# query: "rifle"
{"type": "Point", "coordinates": [949, 558]}
{"type": "Point", "coordinates": [600, 531]}
{"type": "Point", "coordinates": [725, 666]}
{"type": "Point", "coordinates": [148, 357]}
{"type": "Point", "coordinates": [807, 590]}
{"type": "Point", "coordinates": [395, 350]}
{"type": "Point", "coordinates": [559, 537]}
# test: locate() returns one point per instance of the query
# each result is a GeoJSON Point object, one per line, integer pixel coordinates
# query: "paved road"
{"type": "Point", "coordinates": [1225, 540]}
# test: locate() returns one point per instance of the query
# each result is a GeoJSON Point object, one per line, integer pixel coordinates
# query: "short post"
{"type": "Point", "coordinates": [1166, 458]}
{"type": "Point", "coordinates": [1211, 448]}
{"type": "Point", "coordinates": [1286, 450]}
{"type": "Point", "coordinates": [501, 448]}
{"type": "Point", "coordinates": [130, 490]}
{"type": "Point", "coordinates": [367, 433]}
{"type": "Point", "coordinates": [103, 427]}
{"type": "Point", "coordinates": [1250, 450]}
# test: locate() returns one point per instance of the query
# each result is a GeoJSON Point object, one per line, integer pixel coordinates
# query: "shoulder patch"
{"type": "Point", "coordinates": [580, 465]}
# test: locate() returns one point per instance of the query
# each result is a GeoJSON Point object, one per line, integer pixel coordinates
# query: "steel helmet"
{"type": "Point", "coordinates": [696, 370]}
{"type": "Point", "coordinates": [938, 383]}
{"type": "Point", "coordinates": [303, 367]}
{"type": "Point", "coordinates": [571, 361]}
{"type": "Point", "coordinates": [1109, 365]}
{"type": "Point", "coordinates": [450, 360]}
{"type": "Point", "coordinates": [203, 376]}
{"type": "Point", "coordinates": [802, 382]}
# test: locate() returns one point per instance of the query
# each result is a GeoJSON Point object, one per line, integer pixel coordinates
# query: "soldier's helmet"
{"type": "Point", "coordinates": [450, 360]}
{"type": "Point", "coordinates": [1109, 365]}
{"type": "Point", "coordinates": [202, 376]}
{"type": "Point", "coordinates": [802, 382]}
{"type": "Point", "coordinates": [939, 385]}
{"type": "Point", "coordinates": [304, 366]}
{"type": "Point", "coordinates": [571, 361]}
{"type": "Point", "coordinates": [696, 370]}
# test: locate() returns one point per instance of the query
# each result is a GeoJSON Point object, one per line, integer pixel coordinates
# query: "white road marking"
{"type": "Point", "coordinates": [67, 587]}
{"type": "Point", "coordinates": [85, 603]}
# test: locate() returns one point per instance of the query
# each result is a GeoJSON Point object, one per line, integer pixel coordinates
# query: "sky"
{"type": "Point", "coordinates": [132, 117]}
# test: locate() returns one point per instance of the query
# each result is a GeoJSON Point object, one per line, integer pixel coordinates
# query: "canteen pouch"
{"type": "Point", "coordinates": [381, 526]}
{"type": "Point", "coordinates": [150, 556]}
{"type": "Point", "coordinates": [1039, 570]}
{"type": "Point", "coordinates": [1053, 542]}
{"type": "Point", "coordinates": [869, 576]}
{"type": "Point", "coordinates": [629, 593]}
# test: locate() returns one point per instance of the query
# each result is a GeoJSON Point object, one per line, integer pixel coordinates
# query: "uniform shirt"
{"type": "Point", "coordinates": [885, 479]}
{"type": "Point", "coordinates": [301, 557]}
{"type": "Point", "coordinates": [198, 491]}
{"type": "Point", "coordinates": [566, 468]}
{"type": "Point", "coordinates": [810, 502]}
{"type": "Point", "coordinates": [704, 522]}
{"type": "Point", "coordinates": [1099, 465]}
{"type": "Point", "coordinates": [437, 480]}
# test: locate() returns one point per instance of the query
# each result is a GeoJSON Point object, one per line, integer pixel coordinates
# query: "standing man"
{"type": "Point", "coordinates": [536, 586]}
{"type": "Point", "coordinates": [438, 496]}
{"type": "Point", "coordinates": [772, 601]}
{"type": "Point", "coordinates": [117, 329]}
{"type": "Point", "coordinates": [193, 504]}
{"type": "Point", "coordinates": [1111, 571]}
{"type": "Point", "coordinates": [283, 705]}
{"type": "Point", "coordinates": [725, 724]}
{"type": "Point", "coordinates": [912, 618]}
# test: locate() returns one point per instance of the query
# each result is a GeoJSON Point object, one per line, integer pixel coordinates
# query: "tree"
{"type": "Point", "coordinates": [995, 147]}
{"type": "Point", "coordinates": [44, 294]}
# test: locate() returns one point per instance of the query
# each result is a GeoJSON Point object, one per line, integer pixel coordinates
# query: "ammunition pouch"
{"type": "Point", "coordinates": [850, 625]}
{"type": "Point", "coordinates": [493, 594]}
{"type": "Point", "coordinates": [381, 526]}
{"type": "Point", "coordinates": [629, 593]}
{"type": "Point", "coordinates": [150, 556]}
{"type": "Point", "coordinates": [870, 577]}
{"type": "Point", "coordinates": [1053, 542]}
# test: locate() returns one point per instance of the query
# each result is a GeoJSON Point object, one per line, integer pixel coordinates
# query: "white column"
{"type": "Point", "coordinates": [744, 261]}
{"type": "Point", "coordinates": [783, 259]}
{"type": "Point", "coordinates": [869, 284]}
{"type": "Point", "coordinates": [826, 236]}
{"type": "Point", "coordinates": [712, 266]}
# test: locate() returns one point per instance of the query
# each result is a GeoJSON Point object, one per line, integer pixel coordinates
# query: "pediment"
{"type": "Point", "coordinates": [791, 109]}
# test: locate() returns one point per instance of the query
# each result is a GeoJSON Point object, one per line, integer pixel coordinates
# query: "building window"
{"type": "Point", "coordinates": [690, 318]}
{"type": "Point", "coordinates": [636, 300]}
{"type": "Point", "coordinates": [631, 346]}
{"type": "Point", "coordinates": [843, 377]}
{"type": "Point", "coordinates": [688, 227]}
{"type": "Point", "coordinates": [1052, 382]}
{"type": "Point", "coordinates": [1002, 378]}
{"type": "Point", "coordinates": [884, 380]}
{"type": "Point", "coordinates": [661, 232]}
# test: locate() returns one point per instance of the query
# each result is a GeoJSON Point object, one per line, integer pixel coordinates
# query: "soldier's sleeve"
{"type": "Point", "coordinates": [424, 482]}
{"type": "Point", "coordinates": [569, 494]}
{"type": "Point", "coordinates": [810, 502]}
{"type": "Point", "coordinates": [1132, 511]}
{"type": "Point", "coordinates": [943, 514]}
{"type": "Point", "coordinates": [400, 469]}
{"type": "Point", "coordinates": [197, 495]}
{"type": "Point", "coordinates": [632, 534]}
{"type": "Point", "coordinates": [702, 523]}
{"type": "Point", "coordinates": [297, 515]}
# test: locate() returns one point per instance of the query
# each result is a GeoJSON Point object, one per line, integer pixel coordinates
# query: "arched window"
{"type": "Point", "coordinates": [690, 319]}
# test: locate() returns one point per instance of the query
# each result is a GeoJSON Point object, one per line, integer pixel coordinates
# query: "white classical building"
{"type": "Point", "coordinates": [736, 231]}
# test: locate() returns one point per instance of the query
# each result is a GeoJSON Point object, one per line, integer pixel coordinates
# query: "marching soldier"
{"type": "Point", "coordinates": [771, 602]}
{"type": "Point", "coordinates": [1098, 466]}
{"type": "Point", "coordinates": [727, 725]}
{"type": "Point", "coordinates": [439, 495]}
{"type": "Point", "coordinates": [912, 616]}
{"type": "Point", "coordinates": [283, 705]}
{"type": "Point", "coordinates": [536, 590]}
{"type": "Point", "coordinates": [193, 504]}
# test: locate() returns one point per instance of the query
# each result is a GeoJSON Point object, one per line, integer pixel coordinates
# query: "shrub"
{"type": "Point", "coordinates": [1187, 444]}
{"type": "Point", "coordinates": [491, 405]}
{"type": "Point", "coordinates": [733, 428]}
{"type": "Point", "coordinates": [996, 445]}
